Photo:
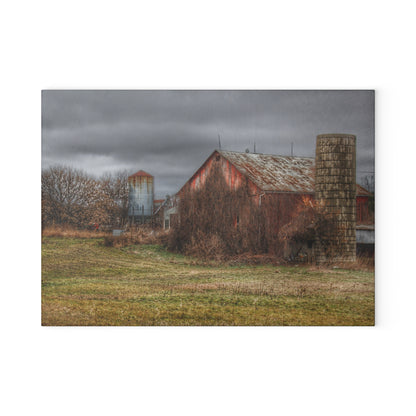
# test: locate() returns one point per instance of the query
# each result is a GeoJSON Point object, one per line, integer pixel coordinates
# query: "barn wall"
{"type": "Point", "coordinates": [219, 202]}
{"type": "Point", "coordinates": [233, 177]}
{"type": "Point", "coordinates": [363, 215]}
{"type": "Point", "coordinates": [246, 192]}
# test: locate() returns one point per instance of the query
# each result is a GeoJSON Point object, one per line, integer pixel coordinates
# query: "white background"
{"type": "Point", "coordinates": [207, 371]}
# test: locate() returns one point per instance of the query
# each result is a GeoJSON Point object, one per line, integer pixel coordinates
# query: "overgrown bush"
{"type": "Point", "coordinates": [217, 222]}
{"type": "Point", "coordinates": [313, 225]}
{"type": "Point", "coordinates": [206, 247]}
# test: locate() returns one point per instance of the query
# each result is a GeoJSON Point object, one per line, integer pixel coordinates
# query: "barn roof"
{"type": "Point", "coordinates": [273, 173]}
{"type": "Point", "coordinates": [141, 173]}
{"type": "Point", "coordinates": [362, 191]}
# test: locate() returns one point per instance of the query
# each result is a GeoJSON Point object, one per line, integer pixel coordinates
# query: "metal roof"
{"type": "Point", "coordinates": [274, 173]}
{"type": "Point", "coordinates": [362, 191]}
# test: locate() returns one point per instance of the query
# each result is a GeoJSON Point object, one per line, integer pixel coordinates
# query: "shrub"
{"type": "Point", "coordinates": [206, 247]}
{"type": "Point", "coordinates": [215, 222]}
{"type": "Point", "coordinates": [136, 235]}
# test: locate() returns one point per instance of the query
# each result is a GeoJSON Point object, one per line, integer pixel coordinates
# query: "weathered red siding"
{"type": "Point", "coordinates": [362, 209]}
{"type": "Point", "coordinates": [232, 176]}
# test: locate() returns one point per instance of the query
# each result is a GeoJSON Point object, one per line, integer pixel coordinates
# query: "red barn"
{"type": "Point", "coordinates": [276, 185]}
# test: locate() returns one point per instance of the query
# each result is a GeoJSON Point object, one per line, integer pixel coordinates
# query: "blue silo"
{"type": "Point", "coordinates": [141, 194]}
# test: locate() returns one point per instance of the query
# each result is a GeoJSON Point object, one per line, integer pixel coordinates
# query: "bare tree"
{"type": "Point", "coordinates": [115, 189]}
{"type": "Point", "coordinates": [368, 183]}
{"type": "Point", "coordinates": [69, 196]}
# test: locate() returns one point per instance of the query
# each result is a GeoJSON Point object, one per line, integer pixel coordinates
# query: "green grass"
{"type": "Point", "coordinates": [85, 283]}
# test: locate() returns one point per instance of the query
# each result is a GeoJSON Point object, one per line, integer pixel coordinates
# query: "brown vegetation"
{"type": "Point", "coordinates": [70, 197]}
{"type": "Point", "coordinates": [136, 235]}
{"type": "Point", "coordinates": [72, 232]}
{"type": "Point", "coordinates": [311, 224]}
{"type": "Point", "coordinates": [132, 236]}
{"type": "Point", "coordinates": [216, 222]}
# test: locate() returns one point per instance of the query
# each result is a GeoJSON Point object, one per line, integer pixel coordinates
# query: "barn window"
{"type": "Point", "coordinates": [217, 158]}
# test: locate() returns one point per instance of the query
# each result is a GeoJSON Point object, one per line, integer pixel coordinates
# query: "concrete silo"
{"type": "Point", "coordinates": [335, 192]}
{"type": "Point", "coordinates": [141, 196]}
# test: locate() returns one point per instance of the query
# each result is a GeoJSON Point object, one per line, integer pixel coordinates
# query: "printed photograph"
{"type": "Point", "coordinates": [208, 207]}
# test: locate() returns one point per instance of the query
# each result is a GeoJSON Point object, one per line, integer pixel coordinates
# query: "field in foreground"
{"type": "Point", "coordinates": [85, 283]}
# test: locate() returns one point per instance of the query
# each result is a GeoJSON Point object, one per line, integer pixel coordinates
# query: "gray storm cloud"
{"type": "Point", "coordinates": [170, 133]}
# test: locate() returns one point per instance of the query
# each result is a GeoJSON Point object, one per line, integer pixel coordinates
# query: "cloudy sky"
{"type": "Point", "coordinates": [170, 133]}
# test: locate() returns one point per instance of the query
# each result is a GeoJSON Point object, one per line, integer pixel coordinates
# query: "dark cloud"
{"type": "Point", "coordinates": [170, 133]}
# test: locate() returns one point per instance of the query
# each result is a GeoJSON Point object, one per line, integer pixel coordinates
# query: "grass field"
{"type": "Point", "coordinates": [86, 283]}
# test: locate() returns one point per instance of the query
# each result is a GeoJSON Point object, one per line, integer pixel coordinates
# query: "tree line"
{"type": "Point", "coordinates": [72, 197]}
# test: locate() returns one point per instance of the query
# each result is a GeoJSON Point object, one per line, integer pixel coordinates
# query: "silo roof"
{"type": "Point", "coordinates": [141, 173]}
